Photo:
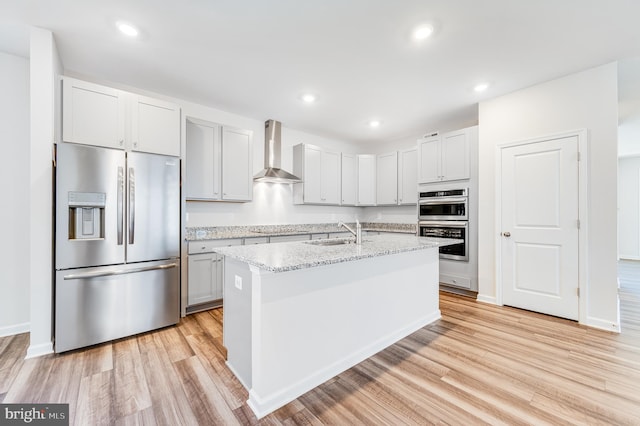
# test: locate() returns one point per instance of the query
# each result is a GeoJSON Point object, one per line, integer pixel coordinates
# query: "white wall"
{"type": "Point", "coordinates": [629, 208]}
{"type": "Point", "coordinates": [14, 180]}
{"type": "Point", "coordinates": [45, 66]}
{"type": "Point", "coordinates": [584, 100]}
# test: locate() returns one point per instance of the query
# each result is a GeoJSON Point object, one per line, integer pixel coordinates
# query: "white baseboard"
{"type": "Point", "coordinates": [39, 350]}
{"type": "Point", "coordinates": [261, 406]}
{"type": "Point", "coordinates": [486, 299]}
{"type": "Point", "coordinates": [11, 330]}
{"type": "Point", "coordinates": [603, 324]}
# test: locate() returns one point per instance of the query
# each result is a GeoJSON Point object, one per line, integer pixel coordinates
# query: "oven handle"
{"type": "Point", "coordinates": [445, 224]}
{"type": "Point", "coordinates": [431, 201]}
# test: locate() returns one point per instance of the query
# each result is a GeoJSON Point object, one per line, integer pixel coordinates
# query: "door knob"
{"type": "Point", "coordinates": [506, 234]}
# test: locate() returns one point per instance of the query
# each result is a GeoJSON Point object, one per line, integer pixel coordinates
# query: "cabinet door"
{"type": "Point", "coordinates": [349, 181]}
{"type": "Point", "coordinates": [155, 126]}
{"type": "Point", "coordinates": [366, 180]}
{"type": "Point", "coordinates": [237, 179]}
{"type": "Point", "coordinates": [92, 114]}
{"type": "Point", "coordinates": [429, 160]}
{"type": "Point", "coordinates": [408, 177]}
{"type": "Point", "coordinates": [202, 165]}
{"type": "Point", "coordinates": [312, 179]}
{"type": "Point", "coordinates": [455, 155]}
{"type": "Point", "coordinates": [205, 278]}
{"type": "Point", "coordinates": [330, 179]}
{"type": "Point", "coordinates": [387, 179]}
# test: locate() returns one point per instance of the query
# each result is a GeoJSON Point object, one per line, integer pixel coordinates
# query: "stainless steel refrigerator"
{"type": "Point", "coordinates": [117, 249]}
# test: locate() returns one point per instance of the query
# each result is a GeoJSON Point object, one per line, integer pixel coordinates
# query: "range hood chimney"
{"type": "Point", "coordinates": [272, 157]}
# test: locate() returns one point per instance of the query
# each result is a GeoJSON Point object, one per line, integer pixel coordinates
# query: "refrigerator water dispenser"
{"type": "Point", "coordinates": [86, 215]}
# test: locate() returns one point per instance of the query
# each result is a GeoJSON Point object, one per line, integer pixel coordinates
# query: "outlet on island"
{"type": "Point", "coordinates": [238, 282]}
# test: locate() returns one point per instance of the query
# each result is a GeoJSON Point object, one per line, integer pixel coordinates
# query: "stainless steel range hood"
{"type": "Point", "coordinates": [272, 157]}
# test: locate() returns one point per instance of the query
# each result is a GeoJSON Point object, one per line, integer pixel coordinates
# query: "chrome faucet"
{"type": "Point", "coordinates": [357, 233]}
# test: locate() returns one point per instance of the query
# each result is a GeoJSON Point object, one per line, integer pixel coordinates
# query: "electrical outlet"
{"type": "Point", "coordinates": [238, 282]}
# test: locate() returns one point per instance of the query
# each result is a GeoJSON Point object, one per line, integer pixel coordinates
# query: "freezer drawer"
{"type": "Point", "coordinates": [95, 305]}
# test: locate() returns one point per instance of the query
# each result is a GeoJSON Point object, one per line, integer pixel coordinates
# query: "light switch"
{"type": "Point", "coordinates": [238, 282]}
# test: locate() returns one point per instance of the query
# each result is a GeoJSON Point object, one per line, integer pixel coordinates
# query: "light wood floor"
{"type": "Point", "coordinates": [479, 364]}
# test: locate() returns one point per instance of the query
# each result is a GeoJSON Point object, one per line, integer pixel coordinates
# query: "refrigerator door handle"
{"type": "Point", "coordinates": [132, 205]}
{"type": "Point", "coordinates": [118, 272]}
{"type": "Point", "coordinates": [120, 202]}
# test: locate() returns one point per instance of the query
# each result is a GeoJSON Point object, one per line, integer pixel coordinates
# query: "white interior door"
{"type": "Point", "coordinates": [540, 237]}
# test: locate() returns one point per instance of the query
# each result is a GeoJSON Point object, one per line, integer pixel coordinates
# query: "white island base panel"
{"type": "Point", "coordinates": [288, 332]}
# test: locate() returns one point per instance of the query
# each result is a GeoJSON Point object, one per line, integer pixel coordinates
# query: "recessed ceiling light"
{"type": "Point", "coordinates": [127, 29]}
{"type": "Point", "coordinates": [309, 98]}
{"type": "Point", "coordinates": [422, 32]}
{"type": "Point", "coordinates": [481, 87]}
{"type": "Point", "coordinates": [374, 123]}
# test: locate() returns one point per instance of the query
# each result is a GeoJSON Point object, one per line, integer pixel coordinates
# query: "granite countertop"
{"type": "Point", "coordinates": [289, 256]}
{"type": "Point", "coordinates": [225, 232]}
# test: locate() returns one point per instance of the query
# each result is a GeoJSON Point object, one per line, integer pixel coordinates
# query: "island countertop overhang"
{"type": "Point", "coordinates": [290, 256]}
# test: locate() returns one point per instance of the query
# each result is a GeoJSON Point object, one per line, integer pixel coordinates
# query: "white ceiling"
{"type": "Point", "coordinates": [256, 57]}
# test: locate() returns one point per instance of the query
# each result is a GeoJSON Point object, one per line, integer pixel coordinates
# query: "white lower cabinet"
{"type": "Point", "coordinates": [205, 272]}
{"type": "Point", "coordinates": [205, 278]}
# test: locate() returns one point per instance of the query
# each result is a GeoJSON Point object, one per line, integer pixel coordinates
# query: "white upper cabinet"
{"type": "Point", "coordinates": [237, 178]}
{"type": "Point", "coordinates": [408, 176]}
{"type": "Point", "coordinates": [320, 173]}
{"type": "Point", "coordinates": [155, 126]}
{"type": "Point", "coordinates": [455, 155]}
{"type": "Point", "coordinates": [445, 157]}
{"type": "Point", "coordinates": [387, 179]}
{"type": "Point", "coordinates": [93, 114]}
{"type": "Point", "coordinates": [366, 180]}
{"type": "Point", "coordinates": [218, 162]}
{"type": "Point", "coordinates": [202, 179]}
{"type": "Point", "coordinates": [102, 116]}
{"type": "Point", "coordinates": [349, 180]}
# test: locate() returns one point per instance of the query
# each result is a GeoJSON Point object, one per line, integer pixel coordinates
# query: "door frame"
{"type": "Point", "coordinates": [583, 152]}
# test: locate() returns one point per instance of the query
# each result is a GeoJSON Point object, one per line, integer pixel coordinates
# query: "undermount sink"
{"type": "Point", "coordinates": [330, 242]}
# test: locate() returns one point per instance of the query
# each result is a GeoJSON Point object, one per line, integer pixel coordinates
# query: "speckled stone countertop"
{"type": "Point", "coordinates": [224, 232]}
{"type": "Point", "coordinates": [283, 257]}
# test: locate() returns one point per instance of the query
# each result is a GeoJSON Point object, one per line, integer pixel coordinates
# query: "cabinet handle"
{"type": "Point", "coordinates": [121, 142]}
{"type": "Point", "coordinates": [135, 144]}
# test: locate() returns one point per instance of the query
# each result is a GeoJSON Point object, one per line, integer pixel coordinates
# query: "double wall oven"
{"type": "Point", "coordinates": [444, 214]}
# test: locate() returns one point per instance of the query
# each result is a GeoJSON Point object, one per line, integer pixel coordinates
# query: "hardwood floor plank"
{"type": "Point", "coordinates": [169, 400]}
{"type": "Point", "coordinates": [13, 349]}
{"type": "Point", "coordinates": [28, 383]}
{"type": "Point", "coordinates": [145, 417]}
{"type": "Point", "coordinates": [131, 390]}
{"type": "Point", "coordinates": [175, 344]}
{"type": "Point", "coordinates": [97, 359]}
{"type": "Point", "coordinates": [204, 397]}
{"type": "Point", "coordinates": [95, 402]}
{"type": "Point", "coordinates": [232, 390]}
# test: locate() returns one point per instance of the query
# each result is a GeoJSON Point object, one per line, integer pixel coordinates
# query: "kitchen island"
{"type": "Point", "coordinates": [298, 313]}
